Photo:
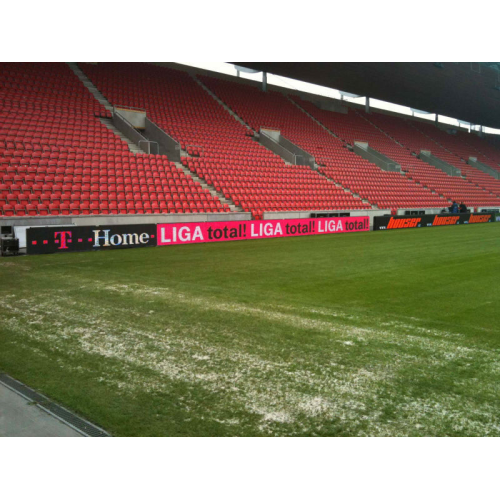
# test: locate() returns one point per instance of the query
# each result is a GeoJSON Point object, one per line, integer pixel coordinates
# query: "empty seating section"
{"type": "Point", "coordinates": [452, 188]}
{"type": "Point", "coordinates": [389, 190]}
{"type": "Point", "coordinates": [488, 148]}
{"type": "Point", "coordinates": [220, 148]}
{"type": "Point", "coordinates": [57, 158]}
{"type": "Point", "coordinates": [456, 150]}
{"type": "Point", "coordinates": [273, 110]}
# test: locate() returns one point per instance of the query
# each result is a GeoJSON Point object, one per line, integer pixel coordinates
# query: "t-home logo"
{"type": "Point", "coordinates": [84, 238]}
{"type": "Point", "coordinates": [62, 238]}
{"type": "Point", "coordinates": [103, 237]}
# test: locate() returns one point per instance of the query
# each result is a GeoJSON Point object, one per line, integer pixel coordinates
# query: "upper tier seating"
{"type": "Point", "coordinates": [452, 188]}
{"type": "Point", "coordinates": [220, 148]}
{"type": "Point", "coordinates": [274, 110]}
{"type": "Point", "coordinates": [371, 181]}
{"type": "Point", "coordinates": [56, 157]}
{"type": "Point", "coordinates": [456, 151]}
{"type": "Point", "coordinates": [488, 147]}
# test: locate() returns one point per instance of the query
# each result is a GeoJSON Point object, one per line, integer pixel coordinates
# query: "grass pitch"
{"type": "Point", "coordinates": [384, 333]}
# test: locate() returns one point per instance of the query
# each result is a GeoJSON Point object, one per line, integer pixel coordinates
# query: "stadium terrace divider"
{"type": "Point", "coordinates": [411, 221]}
{"type": "Point", "coordinates": [41, 240]}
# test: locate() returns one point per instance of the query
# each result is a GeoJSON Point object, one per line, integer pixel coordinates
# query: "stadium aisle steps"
{"type": "Point", "coordinates": [221, 150]}
{"type": "Point", "coordinates": [213, 191]}
{"type": "Point", "coordinates": [58, 158]}
{"type": "Point", "coordinates": [384, 189]}
{"type": "Point", "coordinates": [90, 86]}
{"type": "Point", "coordinates": [413, 141]}
{"type": "Point", "coordinates": [237, 117]}
{"type": "Point", "coordinates": [227, 108]}
{"type": "Point", "coordinates": [457, 151]}
{"type": "Point", "coordinates": [131, 145]}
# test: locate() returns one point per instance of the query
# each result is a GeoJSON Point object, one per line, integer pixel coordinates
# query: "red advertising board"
{"type": "Point", "coordinates": [205, 232]}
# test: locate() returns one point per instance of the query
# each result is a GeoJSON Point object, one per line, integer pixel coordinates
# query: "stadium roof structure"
{"type": "Point", "coordinates": [466, 91]}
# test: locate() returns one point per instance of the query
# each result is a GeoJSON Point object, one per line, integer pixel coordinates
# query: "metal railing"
{"type": "Point", "coordinates": [277, 148]}
{"type": "Point", "coordinates": [165, 141]}
{"type": "Point", "coordinates": [129, 131]}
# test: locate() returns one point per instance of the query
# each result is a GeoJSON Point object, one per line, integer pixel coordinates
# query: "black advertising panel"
{"type": "Point", "coordinates": [323, 215]}
{"type": "Point", "coordinates": [405, 221]}
{"type": "Point", "coordinates": [84, 238]}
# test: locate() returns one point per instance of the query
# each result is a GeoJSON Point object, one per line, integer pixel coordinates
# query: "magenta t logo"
{"type": "Point", "coordinates": [63, 239]}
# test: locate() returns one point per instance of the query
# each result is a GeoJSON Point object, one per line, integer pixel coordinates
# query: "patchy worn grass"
{"type": "Point", "coordinates": [387, 334]}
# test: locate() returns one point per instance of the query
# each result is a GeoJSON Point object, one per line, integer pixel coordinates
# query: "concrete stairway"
{"type": "Point", "coordinates": [314, 119]}
{"type": "Point", "coordinates": [132, 146]}
{"type": "Point", "coordinates": [346, 190]}
{"type": "Point", "coordinates": [379, 129]}
{"type": "Point", "coordinates": [222, 103]}
{"type": "Point", "coordinates": [212, 190]}
{"type": "Point", "coordinates": [92, 88]}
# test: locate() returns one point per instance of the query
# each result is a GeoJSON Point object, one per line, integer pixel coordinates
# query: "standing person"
{"type": "Point", "coordinates": [463, 208]}
{"type": "Point", "coordinates": [454, 208]}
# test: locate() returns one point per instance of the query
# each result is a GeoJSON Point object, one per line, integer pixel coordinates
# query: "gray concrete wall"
{"type": "Point", "coordinates": [169, 144]}
{"type": "Point", "coordinates": [438, 163]}
{"type": "Point", "coordinates": [365, 151]}
{"type": "Point", "coordinates": [302, 156]}
{"type": "Point", "coordinates": [290, 152]}
{"type": "Point", "coordinates": [272, 133]}
{"type": "Point", "coordinates": [485, 168]}
{"type": "Point", "coordinates": [128, 130]}
{"type": "Point", "coordinates": [100, 220]}
{"type": "Point", "coordinates": [135, 117]}
{"type": "Point", "coordinates": [268, 142]}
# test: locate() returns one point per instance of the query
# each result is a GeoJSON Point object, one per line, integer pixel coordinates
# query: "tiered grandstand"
{"type": "Point", "coordinates": [58, 156]}
{"type": "Point", "coordinates": [452, 188]}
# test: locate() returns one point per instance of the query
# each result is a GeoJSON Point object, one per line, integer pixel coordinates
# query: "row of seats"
{"type": "Point", "coordinates": [212, 137]}
{"type": "Point", "coordinates": [455, 150]}
{"type": "Point", "coordinates": [274, 110]}
{"type": "Point", "coordinates": [408, 141]}
{"type": "Point", "coordinates": [58, 158]}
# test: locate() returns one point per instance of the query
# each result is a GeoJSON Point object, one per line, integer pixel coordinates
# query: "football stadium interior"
{"type": "Point", "coordinates": [377, 332]}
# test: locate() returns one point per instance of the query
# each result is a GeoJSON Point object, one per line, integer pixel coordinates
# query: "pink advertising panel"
{"type": "Point", "coordinates": [205, 232]}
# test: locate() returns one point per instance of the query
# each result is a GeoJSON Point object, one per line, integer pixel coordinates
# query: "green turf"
{"type": "Point", "coordinates": [384, 333]}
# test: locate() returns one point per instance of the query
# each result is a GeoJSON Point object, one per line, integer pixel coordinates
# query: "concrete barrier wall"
{"type": "Point", "coordinates": [128, 130]}
{"type": "Point", "coordinates": [301, 154]}
{"type": "Point", "coordinates": [135, 117]}
{"type": "Point", "coordinates": [272, 133]}
{"type": "Point", "coordinates": [485, 168]}
{"type": "Point", "coordinates": [290, 152]}
{"type": "Point", "coordinates": [364, 150]}
{"type": "Point", "coordinates": [96, 220]}
{"type": "Point", "coordinates": [269, 143]}
{"type": "Point", "coordinates": [429, 158]}
{"type": "Point", "coordinates": [169, 144]}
